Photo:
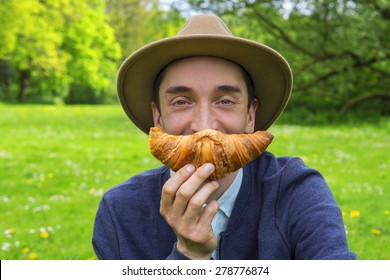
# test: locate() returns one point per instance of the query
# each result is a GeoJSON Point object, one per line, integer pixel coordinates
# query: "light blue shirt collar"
{"type": "Point", "coordinates": [228, 198]}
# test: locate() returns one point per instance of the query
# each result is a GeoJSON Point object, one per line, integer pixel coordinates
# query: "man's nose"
{"type": "Point", "coordinates": [204, 118]}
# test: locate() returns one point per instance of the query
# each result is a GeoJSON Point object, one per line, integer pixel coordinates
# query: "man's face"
{"type": "Point", "coordinates": [204, 92]}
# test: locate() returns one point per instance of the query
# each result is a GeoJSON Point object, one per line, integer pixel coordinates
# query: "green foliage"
{"type": "Point", "coordinates": [69, 51]}
{"type": "Point", "coordinates": [90, 42]}
{"type": "Point", "coordinates": [137, 23]}
{"type": "Point", "coordinates": [52, 46]}
{"type": "Point", "coordinates": [30, 51]}
{"type": "Point", "coordinates": [8, 28]}
{"type": "Point", "coordinates": [57, 161]}
{"type": "Point", "coordinates": [338, 50]}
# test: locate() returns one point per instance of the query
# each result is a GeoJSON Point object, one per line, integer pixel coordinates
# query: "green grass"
{"type": "Point", "coordinates": [56, 162]}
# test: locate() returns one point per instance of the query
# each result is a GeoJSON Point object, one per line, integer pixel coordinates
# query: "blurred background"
{"type": "Point", "coordinates": [68, 52]}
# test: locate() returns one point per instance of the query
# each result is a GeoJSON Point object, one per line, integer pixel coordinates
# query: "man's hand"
{"type": "Point", "coordinates": [182, 199]}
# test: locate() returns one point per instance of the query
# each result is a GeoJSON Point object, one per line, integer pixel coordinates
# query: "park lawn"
{"type": "Point", "coordinates": [57, 161]}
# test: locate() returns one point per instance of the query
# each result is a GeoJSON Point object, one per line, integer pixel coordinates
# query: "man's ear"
{"type": "Point", "coordinates": [156, 115]}
{"type": "Point", "coordinates": [250, 126]}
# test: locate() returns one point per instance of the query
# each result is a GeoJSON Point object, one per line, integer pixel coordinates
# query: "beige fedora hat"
{"type": "Point", "coordinates": [204, 35]}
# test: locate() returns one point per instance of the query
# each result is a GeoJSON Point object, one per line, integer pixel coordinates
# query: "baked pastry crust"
{"type": "Point", "coordinates": [228, 152]}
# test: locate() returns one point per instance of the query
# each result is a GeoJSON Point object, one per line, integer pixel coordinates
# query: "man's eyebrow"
{"type": "Point", "coordinates": [178, 89]}
{"type": "Point", "coordinates": [220, 88]}
{"type": "Point", "coordinates": [228, 89]}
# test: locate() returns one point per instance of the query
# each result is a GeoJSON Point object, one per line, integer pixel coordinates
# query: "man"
{"type": "Point", "coordinates": [272, 208]}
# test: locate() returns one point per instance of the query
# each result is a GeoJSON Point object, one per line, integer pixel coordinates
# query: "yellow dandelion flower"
{"type": "Point", "coordinates": [50, 175]}
{"type": "Point", "coordinates": [386, 212]}
{"type": "Point", "coordinates": [44, 235]}
{"type": "Point", "coordinates": [9, 232]}
{"type": "Point", "coordinates": [25, 250]}
{"type": "Point", "coordinates": [32, 256]}
{"type": "Point", "coordinates": [355, 213]}
{"type": "Point", "coordinates": [375, 231]}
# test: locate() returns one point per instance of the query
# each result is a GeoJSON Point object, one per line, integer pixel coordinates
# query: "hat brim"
{"type": "Point", "coordinates": [269, 71]}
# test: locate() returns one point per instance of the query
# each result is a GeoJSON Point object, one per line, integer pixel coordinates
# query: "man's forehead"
{"type": "Point", "coordinates": [193, 69]}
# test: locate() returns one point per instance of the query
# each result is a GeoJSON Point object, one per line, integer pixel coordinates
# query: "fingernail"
{"type": "Point", "coordinates": [190, 168]}
{"type": "Point", "coordinates": [208, 167]}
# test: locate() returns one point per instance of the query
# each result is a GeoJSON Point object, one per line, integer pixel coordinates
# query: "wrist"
{"type": "Point", "coordinates": [193, 254]}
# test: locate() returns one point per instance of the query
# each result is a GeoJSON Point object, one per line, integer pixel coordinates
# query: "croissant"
{"type": "Point", "coordinates": [228, 152]}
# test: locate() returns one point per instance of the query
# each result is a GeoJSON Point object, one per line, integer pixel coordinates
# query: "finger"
{"type": "Point", "coordinates": [168, 193]}
{"type": "Point", "coordinates": [195, 205]}
{"type": "Point", "coordinates": [208, 214]}
{"type": "Point", "coordinates": [191, 186]}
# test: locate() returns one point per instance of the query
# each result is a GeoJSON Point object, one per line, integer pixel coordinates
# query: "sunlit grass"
{"type": "Point", "coordinates": [56, 162]}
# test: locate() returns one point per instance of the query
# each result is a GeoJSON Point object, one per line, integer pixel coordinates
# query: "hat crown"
{"type": "Point", "coordinates": [204, 25]}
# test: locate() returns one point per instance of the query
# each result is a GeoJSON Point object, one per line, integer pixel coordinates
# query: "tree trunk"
{"type": "Point", "coordinates": [359, 99]}
{"type": "Point", "coordinates": [23, 84]}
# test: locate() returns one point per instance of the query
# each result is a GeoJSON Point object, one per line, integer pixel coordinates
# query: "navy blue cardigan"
{"type": "Point", "coordinates": [284, 210]}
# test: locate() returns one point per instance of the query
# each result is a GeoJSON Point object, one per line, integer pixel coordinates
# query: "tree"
{"type": "Point", "coordinates": [138, 22]}
{"type": "Point", "coordinates": [57, 46]}
{"type": "Point", "coordinates": [29, 50]}
{"type": "Point", "coordinates": [94, 51]}
{"type": "Point", "coordinates": [338, 49]}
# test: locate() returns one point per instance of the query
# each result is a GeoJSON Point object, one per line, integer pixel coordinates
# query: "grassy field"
{"type": "Point", "coordinates": [56, 163]}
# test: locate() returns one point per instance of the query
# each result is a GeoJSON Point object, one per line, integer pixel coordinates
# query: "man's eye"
{"type": "Point", "coordinates": [180, 103]}
{"type": "Point", "coordinates": [226, 102]}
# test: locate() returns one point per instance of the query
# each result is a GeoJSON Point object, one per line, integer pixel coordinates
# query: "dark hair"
{"type": "Point", "coordinates": [247, 78]}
